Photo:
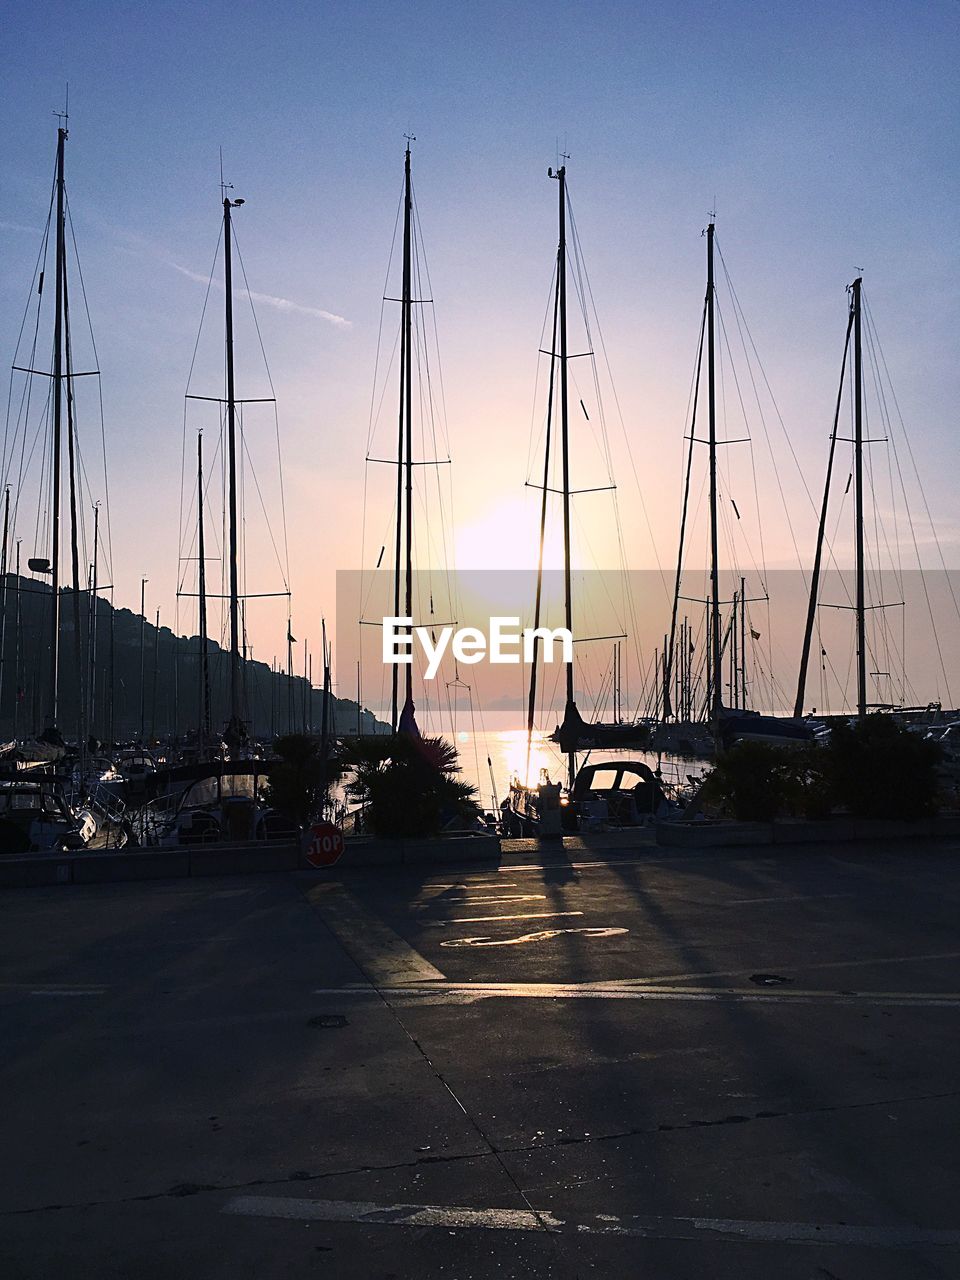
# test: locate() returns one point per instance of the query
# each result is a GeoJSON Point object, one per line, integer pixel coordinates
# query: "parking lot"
{"type": "Point", "coordinates": [709, 1065]}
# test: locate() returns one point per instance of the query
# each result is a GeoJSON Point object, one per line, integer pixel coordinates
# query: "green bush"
{"type": "Point", "coordinates": [408, 786]}
{"type": "Point", "coordinates": [876, 768]}
{"type": "Point", "coordinates": [298, 780]}
{"type": "Point", "coordinates": [755, 782]}
{"type": "Point", "coordinates": [872, 768]}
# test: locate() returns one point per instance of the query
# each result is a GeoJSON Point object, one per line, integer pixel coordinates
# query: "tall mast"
{"type": "Point", "coordinates": [821, 533]}
{"type": "Point", "coordinates": [74, 540]}
{"type": "Point", "coordinates": [17, 650]}
{"type": "Point", "coordinates": [303, 691]}
{"type": "Point", "coordinates": [717, 680]}
{"type": "Point", "coordinates": [565, 441]}
{"type": "Point", "coordinates": [289, 675]}
{"type": "Point", "coordinates": [202, 593]}
{"type": "Point", "coordinates": [403, 440]}
{"type": "Point", "coordinates": [858, 482]}
{"type": "Point", "coordinates": [325, 715]}
{"type": "Point", "coordinates": [407, 310]}
{"type": "Point", "coordinates": [111, 688]}
{"type": "Point", "coordinates": [156, 665]}
{"type": "Point", "coordinates": [143, 686]}
{"type": "Point", "coordinates": [245, 651]}
{"type": "Point", "coordinates": [403, 553]}
{"type": "Point", "coordinates": [235, 700]}
{"type": "Point", "coordinates": [670, 647]}
{"type": "Point", "coordinates": [92, 622]}
{"type": "Point", "coordinates": [743, 643]}
{"type": "Point", "coordinates": [3, 589]}
{"type": "Point", "coordinates": [734, 657]}
{"type": "Point", "coordinates": [532, 696]}
{"type": "Point", "coordinates": [53, 691]}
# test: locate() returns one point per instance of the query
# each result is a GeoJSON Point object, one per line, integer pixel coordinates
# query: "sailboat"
{"type": "Point", "coordinates": [547, 807]}
{"type": "Point", "coordinates": [49, 744]}
{"type": "Point", "coordinates": [727, 724]}
{"type": "Point", "coordinates": [226, 769]}
{"type": "Point", "coordinates": [403, 591]}
{"type": "Point", "coordinates": [63, 484]}
{"type": "Point", "coordinates": [60, 411]}
{"type": "Point", "coordinates": [853, 372]}
{"type": "Point", "coordinates": [403, 717]}
{"type": "Point", "coordinates": [854, 325]}
{"type": "Point", "coordinates": [235, 736]}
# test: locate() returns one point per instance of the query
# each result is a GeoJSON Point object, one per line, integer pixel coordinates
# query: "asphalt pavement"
{"type": "Point", "coordinates": [709, 1065]}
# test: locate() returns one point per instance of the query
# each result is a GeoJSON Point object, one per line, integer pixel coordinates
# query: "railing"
{"type": "Point", "coordinates": [112, 807]}
{"type": "Point", "coordinates": [109, 803]}
{"type": "Point", "coordinates": [149, 821]}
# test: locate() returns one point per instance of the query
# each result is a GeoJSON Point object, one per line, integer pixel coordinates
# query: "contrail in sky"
{"type": "Point", "coordinates": [268, 299]}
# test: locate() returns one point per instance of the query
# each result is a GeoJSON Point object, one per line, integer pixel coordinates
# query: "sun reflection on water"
{"type": "Point", "coordinates": [512, 744]}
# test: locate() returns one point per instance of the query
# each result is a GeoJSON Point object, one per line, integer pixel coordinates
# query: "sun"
{"type": "Point", "coordinates": [507, 536]}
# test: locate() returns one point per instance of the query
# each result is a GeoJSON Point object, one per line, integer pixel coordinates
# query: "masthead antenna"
{"type": "Point", "coordinates": [64, 115]}
{"type": "Point", "coordinates": [711, 215]}
{"type": "Point", "coordinates": [224, 186]}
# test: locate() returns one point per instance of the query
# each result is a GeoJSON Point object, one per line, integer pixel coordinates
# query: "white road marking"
{"type": "Point", "coordinates": [454, 992]}
{"type": "Point", "coordinates": [380, 952]}
{"type": "Point", "coordinates": [542, 935]}
{"type": "Point", "coordinates": [542, 1220]}
{"type": "Point", "coordinates": [395, 1215]}
{"type": "Point", "coordinates": [529, 915]}
{"type": "Point", "coordinates": [797, 897]}
{"type": "Point", "coordinates": [478, 884]}
{"type": "Point", "coordinates": [516, 897]}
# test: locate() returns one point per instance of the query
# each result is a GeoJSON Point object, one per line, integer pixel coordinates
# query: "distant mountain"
{"type": "Point", "coordinates": [170, 688]}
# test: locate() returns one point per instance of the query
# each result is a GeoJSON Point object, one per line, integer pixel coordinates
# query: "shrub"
{"type": "Point", "coordinates": [877, 768]}
{"type": "Point", "coordinates": [872, 768]}
{"type": "Point", "coordinates": [298, 780]}
{"type": "Point", "coordinates": [755, 782]}
{"type": "Point", "coordinates": [408, 785]}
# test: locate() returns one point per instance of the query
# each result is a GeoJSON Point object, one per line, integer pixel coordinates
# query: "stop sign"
{"type": "Point", "coordinates": [324, 844]}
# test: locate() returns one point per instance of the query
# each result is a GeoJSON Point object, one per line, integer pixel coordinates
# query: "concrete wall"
{"type": "Point", "coordinates": [226, 860]}
{"type": "Point", "coordinates": [146, 864]}
{"type": "Point", "coordinates": [723, 834]}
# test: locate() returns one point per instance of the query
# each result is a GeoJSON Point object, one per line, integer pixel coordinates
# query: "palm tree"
{"type": "Point", "coordinates": [408, 786]}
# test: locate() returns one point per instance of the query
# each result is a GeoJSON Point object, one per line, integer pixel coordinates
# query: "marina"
{"type": "Point", "coordinates": [203, 710]}
{"type": "Point", "coordinates": [479, 641]}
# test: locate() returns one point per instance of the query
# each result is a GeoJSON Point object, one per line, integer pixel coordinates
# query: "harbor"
{"type": "Point", "coordinates": [479, 641]}
{"type": "Point", "coordinates": [227, 749]}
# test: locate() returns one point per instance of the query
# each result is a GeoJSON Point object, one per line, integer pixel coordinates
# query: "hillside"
{"type": "Point", "coordinates": [171, 676]}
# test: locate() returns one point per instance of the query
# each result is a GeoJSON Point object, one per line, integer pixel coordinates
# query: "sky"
{"type": "Point", "coordinates": [824, 137]}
